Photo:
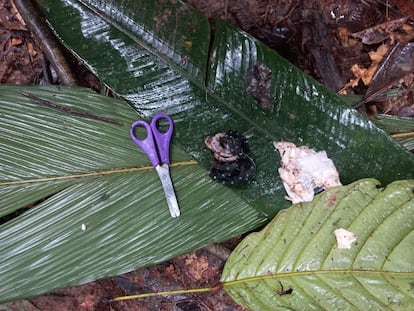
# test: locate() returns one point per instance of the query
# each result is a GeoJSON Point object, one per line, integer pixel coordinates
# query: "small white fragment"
{"type": "Point", "coordinates": [83, 227]}
{"type": "Point", "coordinates": [303, 170]}
{"type": "Point", "coordinates": [344, 238]}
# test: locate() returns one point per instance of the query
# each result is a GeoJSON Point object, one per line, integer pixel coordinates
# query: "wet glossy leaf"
{"type": "Point", "coordinates": [294, 263]}
{"type": "Point", "coordinates": [165, 56]}
{"type": "Point", "coordinates": [89, 203]}
{"type": "Point", "coordinates": [400, 128]}
{"type": "Point", "coordinates": [160, 56]}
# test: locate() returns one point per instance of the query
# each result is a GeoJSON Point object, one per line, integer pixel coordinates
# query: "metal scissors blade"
{"type": "Point", "coordinates": [164, 174]}
{"type": "Point", "coordinates": [157, 147]}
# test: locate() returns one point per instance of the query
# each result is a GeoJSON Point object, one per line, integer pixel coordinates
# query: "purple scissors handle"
{"type": "Point", "coordinates": [163, 139]}
{"type": "Point", "coordinates": [157, 147]}
{"type": "Point", "coordinates": [157, 144]}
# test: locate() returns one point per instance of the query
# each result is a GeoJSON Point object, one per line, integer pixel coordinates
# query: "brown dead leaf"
{"type": "Point", "coordinates": [352, 83]}
{"type": "Point", "coordinates": [366, 74]}
{"type": "Point", "coordinates": [406, 35]}
{"type": "Point", "coordinates": [380, 32]}
{"type": "Point", "coordinates": [376, 59]}
{"type": "Point", "coordinates": [379, 54]}
{"type": "Point", "coordinates": [16, 41]}
{"type": "Point", "coordinates": [197, 266]}
{"type": "Point", "coordinates": [363, 74]}
{"type": "Point", "coordinates": [345, 38]}
{"type": "Point", "coordinates": [32, 51]}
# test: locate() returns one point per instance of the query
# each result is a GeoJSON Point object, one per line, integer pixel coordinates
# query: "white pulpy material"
{"type": "Point", "coordinates": [303, 169]}
{"type": "Point", "coordinates": [344, 238]}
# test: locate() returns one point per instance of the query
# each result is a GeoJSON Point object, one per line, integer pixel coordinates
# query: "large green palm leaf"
{"type": "Point", "coordinates": [166, 56]}
{"type": "Point", "coordinates": [102, 210]}
{"type": "Point", "coordinates": [93, 206]}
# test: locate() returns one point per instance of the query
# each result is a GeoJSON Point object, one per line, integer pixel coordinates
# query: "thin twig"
{"type": "Point", "coordinates": [46, 40]}
{"type": "Point", "coordinates": [69, 110]}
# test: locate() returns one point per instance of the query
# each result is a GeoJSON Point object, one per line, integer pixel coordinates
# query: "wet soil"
{"type": "Point", "coordinates": [20, 59]}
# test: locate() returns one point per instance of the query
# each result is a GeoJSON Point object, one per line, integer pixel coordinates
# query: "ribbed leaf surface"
{"type": "Point", "coordinates": [160, 56]}
{"type": "Point", "coordinates": [401, 127]}
{"type": "Point", "coordinates": [102, 210]}
{"type": "Point", "coordinates": [165, 56]}
{"type": "Point", "coordinates": [294, 262]}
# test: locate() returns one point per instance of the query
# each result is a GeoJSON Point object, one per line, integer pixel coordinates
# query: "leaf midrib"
{"type": "Point", "coordinates": [277, 276]}
{"type": "Point", "coordinates": [182, 72]}
{"type": "Point", "coordinates": [93, 174]}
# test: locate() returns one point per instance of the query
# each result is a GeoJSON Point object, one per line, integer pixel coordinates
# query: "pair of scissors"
{"type": "Point", "coordinates": [157, 147]}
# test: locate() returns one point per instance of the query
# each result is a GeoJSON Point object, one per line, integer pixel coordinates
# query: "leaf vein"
{"type": "Point", "coordinates": [93, 174]}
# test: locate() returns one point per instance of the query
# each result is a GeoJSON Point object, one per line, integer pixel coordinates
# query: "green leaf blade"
{"type": "Point", "coordinates": [298, 251]}
{"type": "Point", "coordinates": [14, 196]}
{"type": "Point", "coordinates": [63, 143]}
{"type": "Point", "coordinates": [203, 85]}
{"type": "Point", "coordinates": [97, 207]}
{"type": "Point", "coordinates": [135, 53]}
{"type": "Point", "coordinates": [127, 226]}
